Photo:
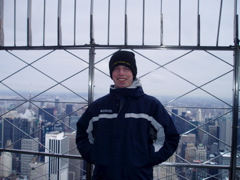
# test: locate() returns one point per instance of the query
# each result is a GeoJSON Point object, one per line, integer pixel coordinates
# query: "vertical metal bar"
{"type": "Point", "coordinates": [232, 172]}
{"type": "Point", "coordinates": [198, 26]}
{"type": "Point", "coordinates": [74, 33]}
{"type": "Point", "coordinates": [219, 22]}
{"type": "Point", "coordinates": [2, 145]}
{"type": "Point", "coordinates": [91, 75]}
{"type": "Point", "coordinates": [91, 23]}
{"type": "Point", "coordinates": [90, 98]}
{"type": "Point", "coordinates": [179, 28]}
{"type": "Point", "coordinates": [125, 24]}
{"type": "Point", "coordinates": [58, 165]}
{"type": "Point", "coordinates": [198, 30]}
{"type": "Point", "coordinates": [1, 23]}
{"type": "Point", "coordinates": [235, 116]}
{"type": "Point", "coordinates": [161, 33]}
{"type": "Point", "coordinates": [91, 78]}
{"type": "Point", "coordinates": [29, 20]}
{"type": "Point", "coordinates": [59, 33]}
{"type": "Point", "coordinates": [109, 6]}
{"type": "Point", "coordinates": [143, 23]}
{"type": "Point", "coordinates": [44, 20]}
{"type": "Point", "coordinates": [233, 162]}
{"type": "Point", "coordinates": [91, 58]}
{"type": "Point", "coordinates": [15, 22]}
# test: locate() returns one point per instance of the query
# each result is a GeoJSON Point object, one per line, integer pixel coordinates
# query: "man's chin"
{"type": "Point", "coordinates": [121, 86]}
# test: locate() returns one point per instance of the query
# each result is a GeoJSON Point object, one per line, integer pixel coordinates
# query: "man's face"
{"type": "Point", "coordinates": [122, 76]}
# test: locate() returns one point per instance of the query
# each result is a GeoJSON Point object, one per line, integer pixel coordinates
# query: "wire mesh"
{"type": "Point", "coordinates": [54, 62]}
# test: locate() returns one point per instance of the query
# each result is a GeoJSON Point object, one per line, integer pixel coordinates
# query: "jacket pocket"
{"type": "Point", "coordinates": [153, 158]}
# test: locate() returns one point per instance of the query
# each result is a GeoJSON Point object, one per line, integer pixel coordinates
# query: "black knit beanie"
{"type": "Point", "coordinates": [125, 58]}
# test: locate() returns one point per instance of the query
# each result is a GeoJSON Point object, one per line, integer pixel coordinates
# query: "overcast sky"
{"type": "Point", "coordinates": [192, 70]}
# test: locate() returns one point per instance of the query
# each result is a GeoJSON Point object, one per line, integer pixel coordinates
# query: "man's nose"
{"type": "Point", "coordinates": [121, 71]}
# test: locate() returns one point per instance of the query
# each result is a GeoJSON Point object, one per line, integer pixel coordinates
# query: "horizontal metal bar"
{"type": "Point", "coordinates": [40, 153]}
{"type": "Point", "coordinates": [87, 46]}
{"type": "Point", "coordinates": [66, 102]}
{"type": "Point", "coordinates": [210, 166]}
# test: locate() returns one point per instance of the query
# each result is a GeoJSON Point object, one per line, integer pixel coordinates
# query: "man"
{"type": "Point", "coordinates": [126, 132]}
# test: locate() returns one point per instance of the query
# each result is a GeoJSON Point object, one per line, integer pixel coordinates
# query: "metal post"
{"type": "Point", "coordinates": [161, 24]}
{"type": "Point", "coordinates": [109, 16]}
{"type": "Point", "coordinates": [232, 172]}
{"type": "Point", "coordinates": [198, 25]}
{"type": "Point", "coordinates": [143, 23]}
{"type": "Point", "coordinates": [15, 21]}
{"type": "Point", "coordinates": [219, 22]}
{"type": "Point", "coordinates": [91, 58]}
{"type": "Point", "coordinates": [3, 133]}
{"type": "Point", "coordinates": [1, 24]}
{"type": "Point", "coordinates": [44, 21]}
{"type": "Point", "coordinates": [29, 21]}
{"type": "Point", "coordinates": [180, 23]}
{"type": "Point", "coordinates": [233, 162]}
{"type": "Point", "coordinates": [91, 75]}
{"type": "Point", "coordinates": [59, 35]}
{"type": "Point", "coordinates": [125, 25]}
{"type": "Point", "coordinates": [75, 19]}
{"type": "Point", "coordinates": [91, 24]}
{"type": "Point", "coordinates": [91, 79]}
{"type": "Point", "coordinates": [90, 99]}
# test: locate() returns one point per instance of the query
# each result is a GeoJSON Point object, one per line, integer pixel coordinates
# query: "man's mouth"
{"type": "Point", "coordinates": [121, 80]}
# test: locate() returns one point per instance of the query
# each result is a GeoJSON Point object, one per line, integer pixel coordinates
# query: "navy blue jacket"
{"type": "Point", "coordinates": [124, 134]}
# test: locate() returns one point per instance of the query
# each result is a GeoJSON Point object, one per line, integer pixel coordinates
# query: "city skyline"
{"type": "Point", "coordinates": [192, 138]}
{"type": "Point", "coordinates": [54, 60]}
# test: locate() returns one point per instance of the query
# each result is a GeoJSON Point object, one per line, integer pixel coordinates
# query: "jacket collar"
{"type": "Point", "coordinates": [135, 90]}
{"type": "Point", "coordinates": [136, 83]}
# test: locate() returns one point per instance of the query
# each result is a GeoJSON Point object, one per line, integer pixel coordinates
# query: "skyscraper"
{"type": "Point", "coordinates": [6, 162]}
{"type": "Point", "coordinates": [199, 116]}
{"type": "Point", "coordinates": [6, 130]}
{"type": "Point", "coordinates": [75, 165]}
{"type": "Point", "coordinates": [57, 106]}
{"type": "Point", "coordinates": [213, 130]}
{"type": "Point", "coordinates": [26, 159]}
{"type": "Point", "coordinates": [190, 152]}
{"type": "Point", "coordinates": [225, 133]}
{"type": "Point", "coordinates": [168, 172]}
{"type": "Point", "coordinates": [201, 153]}
{"type": "Point", "coordinates": [57, 168]}
{"type": "Point", "coordinates": [45, 128]}
{"type": "Point", "coordinates": [47, 114]}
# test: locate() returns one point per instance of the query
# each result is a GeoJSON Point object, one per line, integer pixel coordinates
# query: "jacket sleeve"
{"type": "Point", "coordinates": [167, 136]}
{"type": "Point", "coordinates": [84, 144]}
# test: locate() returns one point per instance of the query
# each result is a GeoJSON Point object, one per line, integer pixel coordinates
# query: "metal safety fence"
{"type": "Point", "coordinates": [54, 63]}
